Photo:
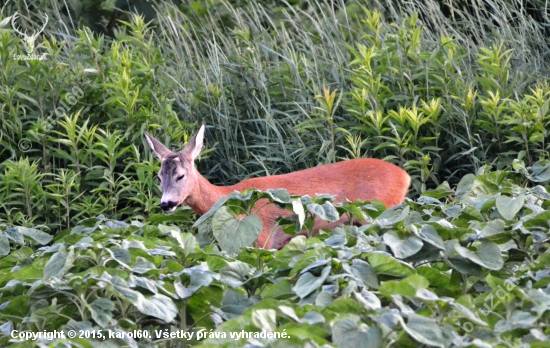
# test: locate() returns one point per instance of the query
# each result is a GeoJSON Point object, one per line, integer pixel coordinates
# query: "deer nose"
{"type": "Point", "coordinates": [168, 205]}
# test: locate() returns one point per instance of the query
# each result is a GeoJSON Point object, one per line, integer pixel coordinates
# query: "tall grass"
{"type": "Point", "coordinates": [259, 80]}
{"type": "Point", "coordinates": [440, 88]}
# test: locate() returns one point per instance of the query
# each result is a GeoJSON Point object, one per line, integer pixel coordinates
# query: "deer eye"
{"type": "Point", "coordinates": [180, 177]}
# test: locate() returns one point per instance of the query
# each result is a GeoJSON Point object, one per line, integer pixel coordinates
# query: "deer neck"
{"type": "Point", "coordinates": [204, 195]}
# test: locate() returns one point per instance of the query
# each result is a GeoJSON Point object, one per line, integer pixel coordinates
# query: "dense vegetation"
{"type": "Point", "coordinates": [456, 94]}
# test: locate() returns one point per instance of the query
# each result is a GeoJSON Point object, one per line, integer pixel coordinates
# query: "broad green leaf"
{"type": "Point", "coordinates": [402, 248]}
{"type": "Point", "coordinates": [427, 295]}
{"type": "Point", "coordinates": [233, 233]}
{"type": "Point", "coordinates": [313, 318]}
{"type": "Point", "coordinates": [492, 228]}
{"type": "Point", "coordinates": [144, 283]}
{"type": "Point", "coordinates": [185, 240]}
{"type": "Point", "coordinates": [450, 246]}
{"type": "Point", "coordinates": [220, 202]}
{"type": "Point", "coordinates": [298, 209]}
{"type": "Point", "coordinates": [121, 255]}
{"type": "Point", "coordinates": [17, 306]}
{"type": "Point", "coordinates": [86, 243]}
{"type": "Point", "coordinates": [199, 276]}
{"type": "Point", "coordinates": [59, 263]}
{"type": "Point", "coordinates": [265, 319]}
{"type": "Point", "coordinates": [429, 200]}
{"type": "Point", "coordinates": [466, 313]}
{"type": "Point", "coordinates": [6, 328]}
{"type": "Point", "coordinates": [515, 255]}
{"type": "Point", "coordinates": [315, 264]}
{"type": "Point", "coordinates": [535, 220]}
{"type": "Point", "coordinates": [243, 196]}
{"type": "Point", "coordinates": [101, 310]}
{"type": "Point", "coordinates": [389, 318]}
{"type": "Point", "coordinates": [348, 333]}
{"type": "Point", "coordinates": [234, 303]}
{"type": "Point", "coordinates": [297, 244]}
{"type": "Point", "coordinates": [508, 207]}
{"type": "Point", "coordinates": [326, 211]}
{"type": "Point", "coordinates": [289, 312]}
{"type": "Point", "coordinates": [427, 253]}
{"type": "Point", "coordinates": [429, 235]}
{"type": "Point", "coordinates": [336, 241]}
{"type": "Point", "coordinates": [405, 287]}
{"type": "Point", "coordinates": [369, 300]}
{"type": "Point", "coordinates": [465, 266]}
{"type": "Point", "coordinates": [27, 274]}
{"type": "Point", "coordinates": [13, 234]}
{"type": "Point", "coordinates": [324, 299]}
{"type": "Point", "coordinates": [299, 333]}
{"type": "Point", "coordinates": [470, 213]}
{"type": "Point", "coordinates": [518, 320]}
{"type": "Point", "coordinates": [539, 172]}
{"type": "Point", "coordinates": [179, 216]}
{"type": "Point", "coordinates": [488, 255]}
{"type": "Point", "coordinates": [279, 195]}
{"type": "Point", "coordinates": [4, 244]}
{"type": "Point", "coordinates": [115, 224]}
{"type": "Point", "coordinates": [393, 215]}
{"type": "Point", "coordinates": [354, 209]}
{"type": "Point", "coordinates": [436, 278]}
{"type": "Point", "coordinates": [4, 22]}
{"type": "Point", "coordinates": [495, 231]}
{"type": "Point", "coordinates": [279, 290]}
{"type": "Point", "coordinates": [78, 325]}
{"type": "Point", "coordinates": [234, 274]}
{"type": "Point", "coordinates": [441, 191]}
{"type": "Point", "coordinates": [386, 264]}
{"type": "Point", "coordinates": [448, 231]}
{"type": "Point", "coordinates": [306, 199]}
{"type": "Point", "coordinates": [481, 202]}
{"type": "Point", "coordinates": [464, 186]}
{"type": "Point", "coordinates": [308, 283]}
{"type": "Point", "coordinates": [158, 305]}
{"type": "Point", "coordinates": [540, 296]}
{"type": "Point", "coordinates": [365, 272]}
{"type": "Point", "coordinates": [39, 236]}
{"type": "Point", "coordinates": [324, 197]}
{"type": "Point", "coordinates": [16, 257]}
{"type": "Point", "coordinates": [540, 192]}
{"type": "Point", "coordinates": [424, 330]}
{"type": "Point", "coordinates": [488, 183]}
{"type": "Point", "coordinates": [88, 226]}
{"type": "Point", "coordinates": [142, 265]}
{"type": "Point", "coordinates": [169, 229]}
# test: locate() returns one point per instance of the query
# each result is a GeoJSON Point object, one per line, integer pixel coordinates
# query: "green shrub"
{"type": "Point", "coordinates": [281, 89]}
{"type": "Point", "coordinates": [459, 264]}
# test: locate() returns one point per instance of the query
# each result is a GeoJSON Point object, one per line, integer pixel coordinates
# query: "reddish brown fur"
{"type": "Point", "coordinates": [363, 179]}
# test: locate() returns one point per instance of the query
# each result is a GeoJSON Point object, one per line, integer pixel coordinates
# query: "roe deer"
{"type": "Point", "coordinates": [363, 179]}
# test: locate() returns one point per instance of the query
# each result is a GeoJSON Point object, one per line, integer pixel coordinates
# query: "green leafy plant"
{"type": "Point", "coordinates": [454, 262]}
{"type": "Point", "coordinates": [446, 90]}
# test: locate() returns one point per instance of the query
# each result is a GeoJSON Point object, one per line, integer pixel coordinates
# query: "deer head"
{"type": "Point", "coordinates": [30, 40]}
{"type": "Point", "coordinates": [178, 176]}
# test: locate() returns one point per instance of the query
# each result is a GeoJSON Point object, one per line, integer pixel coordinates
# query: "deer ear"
{"type": "Point", "coordinates": [157, 146]}
{"type": "Point", "coordinates": [194, 146]}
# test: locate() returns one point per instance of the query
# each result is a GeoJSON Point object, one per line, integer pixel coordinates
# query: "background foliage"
{"type": "Point", "coordinates": [439, 88]}
{"type": "Point", "coordinates": [280, 88]}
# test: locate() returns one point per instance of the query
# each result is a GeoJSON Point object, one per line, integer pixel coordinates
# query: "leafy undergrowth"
{"type": "Point", "coordinates": [464, 267]}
